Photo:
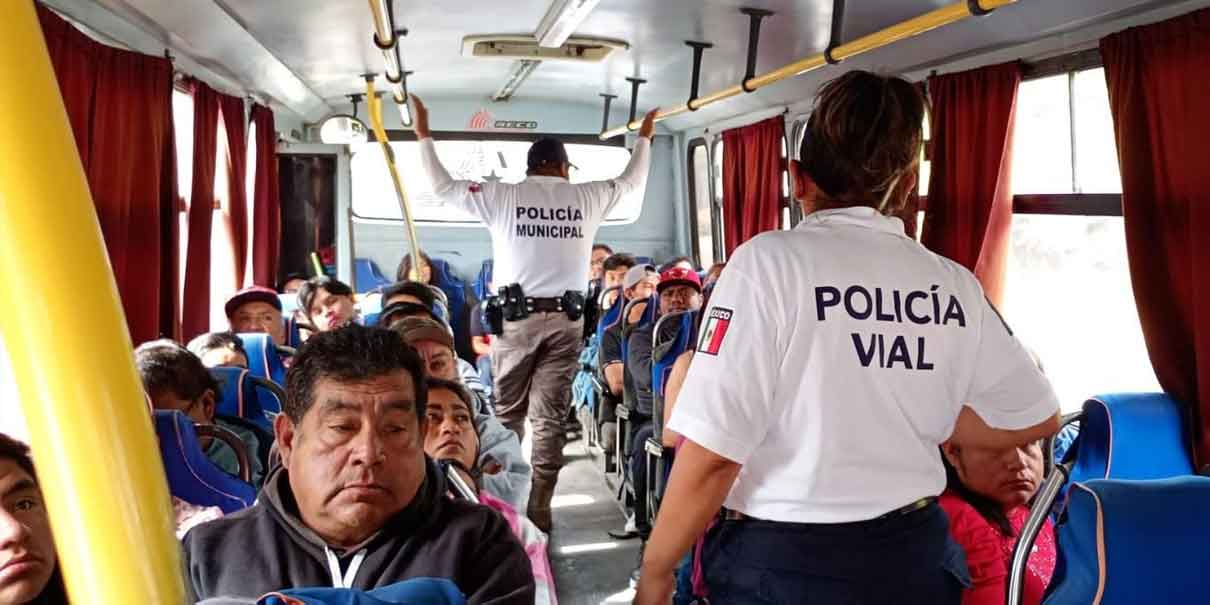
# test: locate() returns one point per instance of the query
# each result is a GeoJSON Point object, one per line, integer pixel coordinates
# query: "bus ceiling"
{"type": "Point", "coordinates": [309, 58]}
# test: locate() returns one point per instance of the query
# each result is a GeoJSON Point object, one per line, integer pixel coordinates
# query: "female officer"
{"type": "Point", "coordinates": [833, 360]}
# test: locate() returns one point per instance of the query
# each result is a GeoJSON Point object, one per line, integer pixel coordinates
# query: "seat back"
{"type": "Point", "coordinates": [1133, 542]}
{"type": "Point", "coordinates": [367, 275]}
{"type": "Point", "coordinates": [675, 333]}
{"type": "Point", "coordinates": [243, 395]}
{"type": "Point", "coordinates": [453, 289]}
{"type": "Point", "coordinates": [613, 314]}
{"type": "Point", "coordinates": [1131, 436]}
{"type": "Point", "coordinates": [191, 476]}
{"type": "Point", "coordinates": [484, 279]}
{"type": "Point", "coordinates": [263, 358]}
{"type": "Point", "coordinates": [628, 327]}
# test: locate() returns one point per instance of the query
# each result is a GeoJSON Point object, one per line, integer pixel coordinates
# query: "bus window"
{"type": "Point", "coordinates": [716, 156]}
{"type": "Point", "coordinates": [1068, 297]}
{"type": "Point", "coordinates": [476, 160]}
{"type": "Point", "coordinates": [703, 223]}
{"type": "Point", "coordinates": [1096, 150]}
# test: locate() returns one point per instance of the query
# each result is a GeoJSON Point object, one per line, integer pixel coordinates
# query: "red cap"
{"type": "Point", "coordinates": [679, 276]}
{"type": "Point", "coordinates": [251, 294]}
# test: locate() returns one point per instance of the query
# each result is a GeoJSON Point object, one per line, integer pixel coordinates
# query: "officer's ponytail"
{"type": "Point", "coordinates": [862, 138]}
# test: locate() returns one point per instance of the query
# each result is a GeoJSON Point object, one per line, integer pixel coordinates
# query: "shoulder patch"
{"type": "Point", "coordinates": [715, 330]}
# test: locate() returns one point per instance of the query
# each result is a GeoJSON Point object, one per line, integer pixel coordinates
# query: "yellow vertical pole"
{"type": "Point", "coordinates": [66, 336]}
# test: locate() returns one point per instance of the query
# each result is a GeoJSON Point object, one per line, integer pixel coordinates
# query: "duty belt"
{"type": "Point", "coordinates": [544, 305]}
{"type": "Point", "coordinates": [734, 515]}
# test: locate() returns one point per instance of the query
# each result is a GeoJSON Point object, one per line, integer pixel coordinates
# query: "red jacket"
{"type": "Point", "coordinates": [989, 553]}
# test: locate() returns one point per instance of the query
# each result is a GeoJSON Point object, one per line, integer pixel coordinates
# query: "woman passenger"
{"type": "Point", "coordinates": [29, 569]}
{"type": "Point", "coordinates": [987, 499]}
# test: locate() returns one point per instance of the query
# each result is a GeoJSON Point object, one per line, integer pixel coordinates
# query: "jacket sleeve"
{"type": "Point", "coordinates": [498, 572]}
{"type": "Point", "coordinates": [638, 359]}
{"type": "Point", "coordinates": [498, 443]}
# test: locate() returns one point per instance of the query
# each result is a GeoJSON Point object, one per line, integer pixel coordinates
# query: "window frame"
{"type": "Point", "coordinates": [691, 173]}
{"type": "Point", "coordinates": [1071, 204]}
{"type": "Point", "coordinates": [398, 136]}
{"type": "Point", "coordinates": [716, 198]}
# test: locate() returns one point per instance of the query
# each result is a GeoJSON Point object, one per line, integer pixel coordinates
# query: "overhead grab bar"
{"type": "Point", "coordinates": [401, 192]}
{"type": "Point", "coordinates": [912, 27]}
{"type": "Point", "coordinates": [386, 38]}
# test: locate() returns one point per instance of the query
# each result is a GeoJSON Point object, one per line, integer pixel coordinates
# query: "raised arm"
{"type": "Point", "coordinates": [635, 175]}
{"type": "Point", "coordinates": [467, 196]}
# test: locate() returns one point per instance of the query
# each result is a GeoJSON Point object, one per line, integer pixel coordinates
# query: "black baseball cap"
{"type": "Point", "coordinates": [547, 151]}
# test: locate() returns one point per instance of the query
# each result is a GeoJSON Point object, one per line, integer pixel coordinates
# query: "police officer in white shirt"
{"type": "Point", "coordinates": [833, 360]}
{"type": "Point", "coordinates": [542, 235]}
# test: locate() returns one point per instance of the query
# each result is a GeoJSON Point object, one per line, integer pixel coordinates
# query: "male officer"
{"type": "Point", "coordinates": [542, 236]}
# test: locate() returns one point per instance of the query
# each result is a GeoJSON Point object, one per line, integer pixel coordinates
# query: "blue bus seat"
{"type": "Point", "coordinates": [453, 289]}
{"type": "Point", "coordinates": [613, 314]}
{"type": "Point", "coordinates": [1131, 436]}
{"type": "Point", "coordinates": [484, 279]}
{"type": "Point", "coordinates": [417, 591]}
{"type": "Point", "coordinates": [191, 475]}
{"type": "Point", "coordinates": [674, 334]}
{"type": "Point", "coordinates": [367, 276]}
{"type": "Point", "coordinates": [263, 359]}
{"type": "Point", "coordinates": [243, 394]}
{"type": "Point", "coordinates": [1128, 541]}
{"type": "Point", "coordinates": [644, 260]}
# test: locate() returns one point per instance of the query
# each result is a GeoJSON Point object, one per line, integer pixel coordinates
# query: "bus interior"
{"type": "Point", "coordinates": [1060, 165]}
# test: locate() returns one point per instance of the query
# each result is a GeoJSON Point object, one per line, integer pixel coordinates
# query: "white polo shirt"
{"type": "Point", "coordinates": [833, 361]}
{"type": "Point", "coordinates": [543, 227]}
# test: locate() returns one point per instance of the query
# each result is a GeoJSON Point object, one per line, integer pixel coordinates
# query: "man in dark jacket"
{"type": "Point", "coordinates": [355, 503]}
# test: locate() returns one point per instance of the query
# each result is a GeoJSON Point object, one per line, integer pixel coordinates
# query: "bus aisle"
{"type": "Point", "coordinates": [590, 567]}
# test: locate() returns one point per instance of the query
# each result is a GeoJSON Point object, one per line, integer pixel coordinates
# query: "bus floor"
{"type": "Point", "coordinates": [590, 567]}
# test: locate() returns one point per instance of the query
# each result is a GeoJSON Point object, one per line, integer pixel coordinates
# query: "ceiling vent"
{"type": "Point", "coordinates": [523, 46]}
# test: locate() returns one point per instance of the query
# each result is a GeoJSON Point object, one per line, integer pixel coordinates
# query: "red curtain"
{"type": "Point", "coordinates": [1157, 90]}
{"type": "Point", "coordinates": [266, 212]}
{"type": "Point", "coordinates": [232, 109]}
{"type": "Point", "coordinates": [752, 174]}
{"type": "Point", "coordinates": [195, 314]}
{"type": "Point", "coordinates": [969, 214]}
{"type": "Point", "coordinates": [120, 107]}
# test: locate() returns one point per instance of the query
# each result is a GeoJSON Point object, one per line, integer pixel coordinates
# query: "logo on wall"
{"type": "Point", "coordinates": [484, 120]}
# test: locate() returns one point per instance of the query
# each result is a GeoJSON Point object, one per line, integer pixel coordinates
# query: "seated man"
{"type": "Point", "coordinates": [414, 299]}
{"type": "Point", "coordinates": [682, 262]}
{"type": "Point", "coordinates": [175, 379]}
{"type": "Point", "coordinates": [507, 474]}
{"type": "Point", "coordinates": [327, 303]}
{"type": "Point", "coordinates": [220, 349]}
{"type": "Point", "coordinates": [615, 268]}
{"type": "Point", "coordinates": [29, 569]}
{"type": "Point", "coordinates": [680, 290]}
{"type": "Point", "coordinates": [452, 437]}
{"type": "Point", "coordinates": [355, 502]}
{"type": "Point", "coordinates": [291, 283]}
{"type": "Point", "coordinates": [256, 309]}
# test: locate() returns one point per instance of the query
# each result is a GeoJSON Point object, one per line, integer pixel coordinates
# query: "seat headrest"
{"type": "Point", "coordinates": [1132, 436]}
{"type": "Point", "coordinates": [192, 477]}
{"type": "Point", "coordinates": [263, 359]}
{"type": "Point", "coordinates": [241, 397]}
{"type": "Point", "coordinates": [367, 275]}
{"type": "Point", "coordinates": [674, 335]}
{"type": "Point", "coordinates": [1133, 542]}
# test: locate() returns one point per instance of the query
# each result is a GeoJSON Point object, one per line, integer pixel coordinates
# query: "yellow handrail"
{"type": "Point", "coordinates": [66, 335]}
{"type": "Point", "coordinates": [401, 192]}
{"type": "Point", "coordinates": [906, 29]}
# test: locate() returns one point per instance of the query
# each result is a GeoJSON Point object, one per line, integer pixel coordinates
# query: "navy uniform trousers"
{"type": "Point", "coordinates": [908, 559]}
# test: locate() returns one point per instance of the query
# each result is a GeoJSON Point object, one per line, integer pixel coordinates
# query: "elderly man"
{"type": "Point", "coordinates": [256, 309]}
{"type": "Point", "coordinates": [355, 502]}
{"type": "Point", "coordinates": [506, 474]}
